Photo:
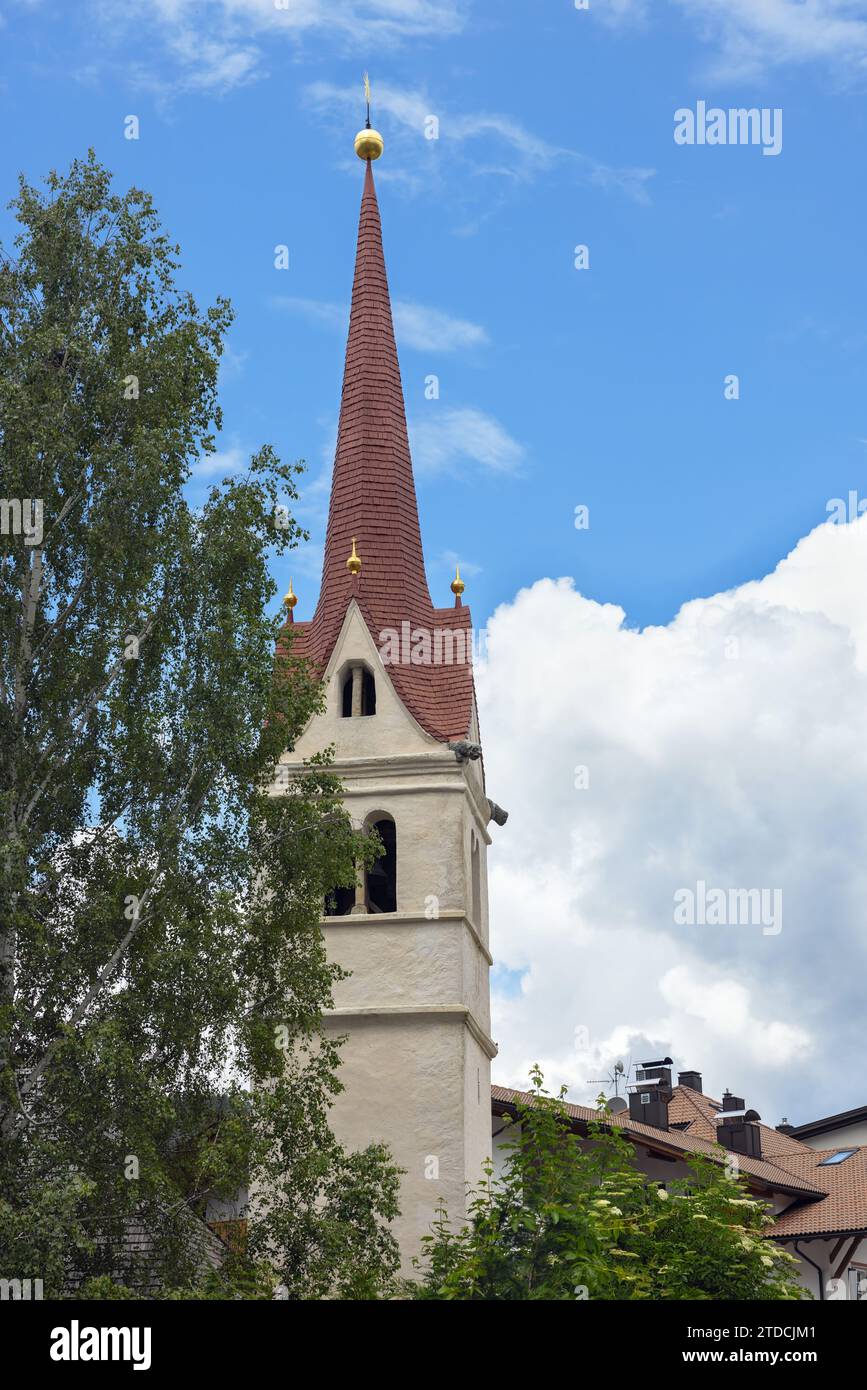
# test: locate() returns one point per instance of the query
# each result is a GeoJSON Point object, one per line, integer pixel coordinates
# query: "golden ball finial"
{"type": "Point", "coordinates": [368, 144]}
{"type": "Point", "coordinates": [291, 598]}
{"type": "Point", "coordinates": [353, 564]}
{"type": "Point", "coordinates": [457, 585]}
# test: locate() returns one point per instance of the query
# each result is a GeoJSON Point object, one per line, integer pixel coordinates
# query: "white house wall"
{"type": "Point", "coordinates": [851, 1136]}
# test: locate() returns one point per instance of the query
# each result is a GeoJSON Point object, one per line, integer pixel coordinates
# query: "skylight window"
{"type": "Point", "coordinates": [839, 1157]}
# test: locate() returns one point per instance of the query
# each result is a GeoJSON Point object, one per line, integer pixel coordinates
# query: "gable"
{"type": "Point", "coordinates": [391, 731]}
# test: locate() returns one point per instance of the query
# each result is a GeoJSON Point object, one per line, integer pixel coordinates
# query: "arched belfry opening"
{"type": "Point", "coordinates": [375, 889]}
{"type": "Point", "coordinates": [339, 902]}
{"type": "Point", "coordinates": [381, 878]}
{"type": "Point", "coordinates": [357, 692]}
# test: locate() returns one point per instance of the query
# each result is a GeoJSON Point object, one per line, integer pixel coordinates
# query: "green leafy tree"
{"type": "Point", "coordinates": [159, 938]}
{"type": "Point", "coordinates": [568, 1220]}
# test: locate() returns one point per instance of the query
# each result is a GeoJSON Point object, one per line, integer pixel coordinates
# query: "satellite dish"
{"type": "Point", "coordinates": [617, 1105]}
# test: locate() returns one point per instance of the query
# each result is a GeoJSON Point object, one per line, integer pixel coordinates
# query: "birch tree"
{"type": "Point", "coordinates": [162, 972]}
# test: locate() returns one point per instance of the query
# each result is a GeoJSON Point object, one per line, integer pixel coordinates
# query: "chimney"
{"type": "Point", "coordinates": [650, 1093]}
{"type": "Point", "coordinates": [737, 1128]}
{"type": "Point", "coordinates": [784, 1127]}
{"type": "Point", "coordinates": [691, 1080]}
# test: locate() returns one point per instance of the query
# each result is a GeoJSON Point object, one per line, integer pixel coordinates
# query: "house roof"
{"type": "Point", "coordinates": [829, 1199]}
{"type": "Point", "coordinates": [373, 501]}
{"type": "Point", "coordinates": [831, 1122]}
{"type": "Point", "coordinates": [843, 1209]}
{"type": "Point", "coordinates": [132, 1254]}
{"type": "Point", "coordinates": [672, 1143]}
{"type": "Point", "coordinates": [698, 1112]}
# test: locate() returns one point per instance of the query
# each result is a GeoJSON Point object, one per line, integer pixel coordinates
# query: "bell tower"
{"type": "Point", "coordinates": [401, 715]}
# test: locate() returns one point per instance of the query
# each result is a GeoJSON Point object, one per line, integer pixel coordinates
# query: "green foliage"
{"type": "Point", "coordinates": [159, 938]}
{"type": "Point", "coordinates": [571, 1220]}
{"type": "Point", "coordinates": [103, 1288]}
{"type": "Point", "coordinates": [38, 1237]}
{"type": "Point", "coordinates": [237, 1279]}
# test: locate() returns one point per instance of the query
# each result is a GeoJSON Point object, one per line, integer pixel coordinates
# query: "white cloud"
{"type": "Point", "coordinates": [332, 316]}
{"type": "Point", "coordinates": [729, 746]}
{"type": "Point", "coordinates": [447, 438]}
{"type": "Point", "coordinates": [410, 109]}
{"type": "Point", "coordinates": [431, 330]}
{"type": "Point", "coordinates": [222, 463]}
{"type": "Point", "coordinates": [449, 558]}
{"type": "Point", "coordinates": [726, 1011]}
{"type": "Point", "coordinates": [232, 363]}
{"type": "Point", "coordinates": [509, 149]}
{"type": "Point", "coordinates": [417, 326]}
{"type": "Point", "coordinates": [218, 45]}
{"type": "Point", "coordinates": [619, 11]}
{"type": "Point", "coordinates": [210, 64]}
{"type": "Point", "coordinates": [755, 34]}
{"type": "Point", "coordinates": [750, 36]}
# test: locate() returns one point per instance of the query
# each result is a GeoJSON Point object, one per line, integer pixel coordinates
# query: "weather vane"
{"type": "Point", "coordinates": [368, 142]}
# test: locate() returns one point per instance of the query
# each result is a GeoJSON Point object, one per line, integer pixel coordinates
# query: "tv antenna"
{"type": "Point", "coordinates": [614, 1077]}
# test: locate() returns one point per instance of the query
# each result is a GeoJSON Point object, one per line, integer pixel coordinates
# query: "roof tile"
{"type": "Point", "coordinates": [831, 1200]}
{"type": "Point", "coordinates": [373, 500]}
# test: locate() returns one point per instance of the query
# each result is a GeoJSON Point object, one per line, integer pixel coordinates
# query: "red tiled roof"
{"type": "Point", "coordinates": [698, 1112]}
{"type": "Point", "coordinates": [695, 1111]}
{"type": "Point", "coordinates": [680, 1142]}
{"type": "Point", "coordinates": [845, 1206]}
{"type": "Point", "coordinates": [373, 500]}
{"type": "Point", "coordinates": [831, 1200]}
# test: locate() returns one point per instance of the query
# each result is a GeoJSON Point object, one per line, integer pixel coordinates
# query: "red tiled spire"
{"type": "Point", "coordinates": [373, 501]}
{"type": "Point", "coordinates": [372, 490]}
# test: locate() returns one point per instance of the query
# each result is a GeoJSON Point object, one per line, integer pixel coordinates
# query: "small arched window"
{"type": "Point", "coordinates": [358, 693]}
{"type": "Point", "coordinates": [476, 867]}
{"type": "Point", "coordinates": [382, 875]}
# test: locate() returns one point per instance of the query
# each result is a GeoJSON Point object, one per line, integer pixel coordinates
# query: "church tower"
{"type": "Point", "coordinates": [401, 716]}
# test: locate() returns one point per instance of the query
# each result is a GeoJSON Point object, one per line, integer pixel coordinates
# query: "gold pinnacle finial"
{"type": "Point", "coordinates": [291, 598]}
{"type": "Point", "coordinates": [457, 585]}
{"type": "Point", "coordinates": [353, 564]}
{"type": "Point", "coordinates": [368, 142]}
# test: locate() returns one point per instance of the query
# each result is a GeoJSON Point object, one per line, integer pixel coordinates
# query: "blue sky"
{"type": "Point", "coordinates": [557, 387]}
{"type": "Point", "coordinates": [560, 388]}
